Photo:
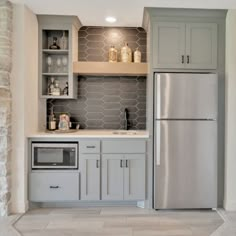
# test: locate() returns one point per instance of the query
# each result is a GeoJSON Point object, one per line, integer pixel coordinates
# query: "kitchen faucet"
{"type": "Point", "coordinates": [126, 119]}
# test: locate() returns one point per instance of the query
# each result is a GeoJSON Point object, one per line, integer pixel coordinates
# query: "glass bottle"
{"type": "Point", "coordinates": [137, 56]}
{"type": "Point", "coordinates": [52, 121]}
{"type": "Point", "coordinates": [64, 41]}
{"type": "Point", "coordinates": [51, 86]}
{"type": "Point", "coordinates": [54, 44]}
{"type": "Point", "coordinates": [66, 89]}
{"type": "Point", "coordinates": [57, 89]}
{"type": "Point", "coordinates": [112, 54]}
{"type": "Point", "coordinates": [126, 53]}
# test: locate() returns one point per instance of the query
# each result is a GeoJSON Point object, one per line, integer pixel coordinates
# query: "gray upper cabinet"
{"type": "Point", "coordinates": [168, 44]}
{"type": "Point", "coordinates": [112, 177]}
{"type": "Point", "coordinates": [201, 45]}
{"type": "Point", "coordinates": [90, 176]}
{"type": "Point", "coordinates": [184, 45]}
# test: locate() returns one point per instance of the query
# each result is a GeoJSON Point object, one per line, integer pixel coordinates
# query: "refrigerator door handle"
{"type": "Point", "coordinates": [157, 146]}
{"type": "Point", "coordinates": [157, 93]}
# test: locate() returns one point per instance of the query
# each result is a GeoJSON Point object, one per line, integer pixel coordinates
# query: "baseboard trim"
{"type": "Point", "coordinates": [230, 205]}
{"type": "Point", "coordinates": [81, 204]}
{"type": "Point", "coordinates": [19, 207]}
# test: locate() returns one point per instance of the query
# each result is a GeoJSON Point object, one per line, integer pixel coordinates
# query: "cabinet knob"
{"type": "Point", "coordinates": [182, 59]}
{"type": "Point", "coordinates": [121, 163]}
{"type": "Point", "coordinates": [54, 187]}
{"type": "Point", "coordinates": [97, 163]}
{"type": "Point", "coordinates": [90, 146]}
{"type": "Point", "coordinates": [188, 59]}
{"type": "Point", "coordinates": [126, 164]}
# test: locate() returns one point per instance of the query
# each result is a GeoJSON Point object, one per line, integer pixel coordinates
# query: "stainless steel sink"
{"type": "Point", "coordinates": [124, 132]}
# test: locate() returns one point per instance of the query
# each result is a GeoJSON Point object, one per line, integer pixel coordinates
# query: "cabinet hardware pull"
{"type": "Point", "coordinates": [126, 164]}
{"type": "Point", "coordinates": [188, 59]}
{"type": "Point", "coordinates": [97, 163]}
{"type": "Point", "coordinates": [90, 146]}
{"type": "Point", "coordinates": [54, 187]}
{"type": "Point", "coordinates": [121, 163]}
{"type": "Point", "coordinates": [182, 59]}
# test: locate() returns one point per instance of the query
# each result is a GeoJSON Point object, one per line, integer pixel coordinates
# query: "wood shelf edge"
{"type": "Point", "coordinates": [109, 69]}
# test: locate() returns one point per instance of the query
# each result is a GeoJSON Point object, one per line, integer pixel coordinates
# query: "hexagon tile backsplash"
{"type": "Point", "coordinates": [94, 42]}
{"type": "Point", "coordinates": [101, 100]}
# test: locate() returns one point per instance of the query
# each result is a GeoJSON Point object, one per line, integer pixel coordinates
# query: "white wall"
{"type": "Point", "coordinates": [25, 99]}
{"type": "Point", "coordinates": [230, 106]}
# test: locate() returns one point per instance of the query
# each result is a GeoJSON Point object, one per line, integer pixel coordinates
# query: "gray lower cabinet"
{"type": "Point", "coordinates": [90, 176]}
{"type": "Point", "coordinates": [112, 177]}
{"type": "Point", "coordinates": [123, 176]}
{"type": "Point", "coordinates": [53, 186]}
{"type": "Point", "coordinates": [182, 45]}
{"type": "Point", "coordinates": [134, 177]}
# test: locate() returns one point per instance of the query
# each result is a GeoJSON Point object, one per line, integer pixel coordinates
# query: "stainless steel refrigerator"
{"type": "Point", "coordinates": [185, 141]}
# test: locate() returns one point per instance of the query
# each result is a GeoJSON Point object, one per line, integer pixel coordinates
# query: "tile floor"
{"type": "Point", "coordinates": [118, 221]}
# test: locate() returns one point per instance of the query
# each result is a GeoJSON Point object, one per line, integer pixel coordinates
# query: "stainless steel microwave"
{"type": "Point", "coordinates": [54, 155]}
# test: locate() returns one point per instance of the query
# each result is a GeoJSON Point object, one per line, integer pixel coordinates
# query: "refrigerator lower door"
{"type": "Point", "coordinates": [185, 164]}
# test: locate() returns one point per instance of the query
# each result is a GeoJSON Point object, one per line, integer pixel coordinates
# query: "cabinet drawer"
{"type": "Point", "coordinates": [50, 187]}
{"type": "Point", "coordinates": [124, 146]}
{"type": "Point", "coordinates": [89, 146]}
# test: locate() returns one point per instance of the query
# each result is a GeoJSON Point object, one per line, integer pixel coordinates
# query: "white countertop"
{"type": "Point", "coordinates": [93, 134]}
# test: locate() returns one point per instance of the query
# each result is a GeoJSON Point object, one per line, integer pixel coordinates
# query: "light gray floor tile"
{"type": "Point", "coordinates": [122, 221]}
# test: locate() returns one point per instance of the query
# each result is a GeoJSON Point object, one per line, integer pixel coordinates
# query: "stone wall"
{"type": "Point", "coordinates": [6, 13]}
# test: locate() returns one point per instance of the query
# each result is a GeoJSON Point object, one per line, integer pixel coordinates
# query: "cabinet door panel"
{"type": "Point", "coordinates": [201, 45]}
{"type": "Point", "coordinates": [168, 45]}
{"type": "Point", "coordinates": [90, 177]}
{"type": "Point", "coordinates": [134, 177]}
{"type": "Point", "coordinates": [53, 186]}
{"type": "Point", "coordinates": [112, 177]}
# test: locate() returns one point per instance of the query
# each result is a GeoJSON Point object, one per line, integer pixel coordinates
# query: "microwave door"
{"type": "Point", "coordinates": [54, 156]}
{"type": "Point", "coordinates": [50, 156]}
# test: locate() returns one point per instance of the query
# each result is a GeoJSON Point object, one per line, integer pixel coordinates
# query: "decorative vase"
{"type": "Point", "coordinates": [112, 54]}
{"type": "Point", "coordinates": [126, 53]}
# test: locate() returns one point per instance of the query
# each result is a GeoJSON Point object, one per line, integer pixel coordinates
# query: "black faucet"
{"type": "Point", "coordinates": [126, 121]}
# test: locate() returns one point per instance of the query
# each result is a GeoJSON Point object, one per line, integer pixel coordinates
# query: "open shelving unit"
{"type": "Point", "coordinates": [61, 68]}
{"type": "Point", "coordinates": [110, 69]}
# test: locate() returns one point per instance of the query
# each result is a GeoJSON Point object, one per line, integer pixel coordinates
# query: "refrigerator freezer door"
{"type": "Point", "coordinates": [186, 96]}
{"type": "Point", "coordinates": [185, 165]}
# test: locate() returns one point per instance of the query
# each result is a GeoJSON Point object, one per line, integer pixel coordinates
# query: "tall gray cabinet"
{"type": "Point", "coordinates": [185, 40]}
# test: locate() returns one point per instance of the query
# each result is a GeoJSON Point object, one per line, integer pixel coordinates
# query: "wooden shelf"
{"type": "Point", "coordinates": [55, 74]}
{"type": "Point", "coordinates": [58, 52]}
{"type": "Point", "coordinates": [54, 97]}
{"type": "Point", "coordinates": [107, 68]}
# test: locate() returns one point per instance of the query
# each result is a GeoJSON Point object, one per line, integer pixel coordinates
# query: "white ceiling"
{"type": "Point", "coordinates": [127, 12]}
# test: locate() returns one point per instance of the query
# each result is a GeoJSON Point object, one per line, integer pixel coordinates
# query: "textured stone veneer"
{"type": "Point", "coordinates": [101, 100]}
{"type": "Point", "coordinates": [5, 103]}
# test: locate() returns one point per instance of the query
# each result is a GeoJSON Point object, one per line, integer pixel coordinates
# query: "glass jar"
{"type": "Point", "coordinates": [137, 56]}
{"type": "Point", "coordinates": [57, 89]}
{"type": "Point", "coordinates": [112, 54]}
{"type": "Point", "coordinates": [126, 53]}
